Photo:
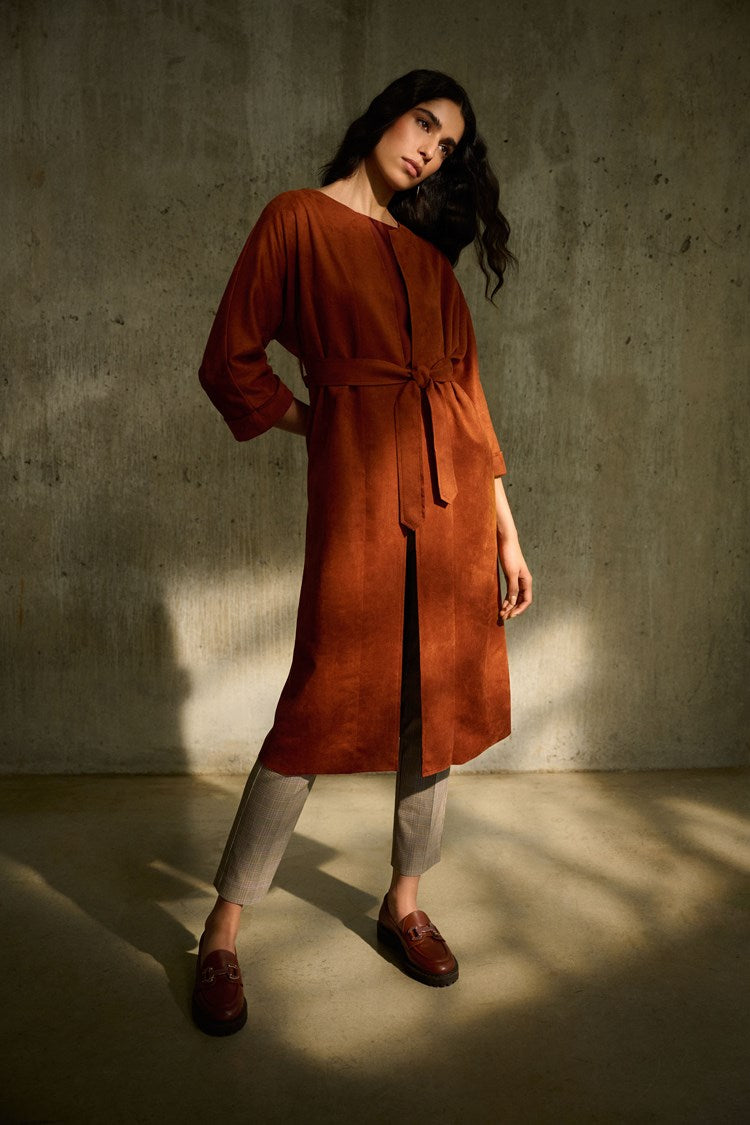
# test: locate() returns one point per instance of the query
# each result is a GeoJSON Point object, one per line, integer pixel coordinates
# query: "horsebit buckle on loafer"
{"type": "Point", "coordinates": [209, 974]}
{"type": "Point", "coordinates": [414, 933]}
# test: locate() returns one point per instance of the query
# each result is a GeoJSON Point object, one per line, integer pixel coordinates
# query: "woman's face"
{"type": "Point", "coordinates": [417, 143]}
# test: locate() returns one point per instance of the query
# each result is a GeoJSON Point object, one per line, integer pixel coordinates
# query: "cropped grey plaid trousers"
{"type": "Point", "coordinates": [272, 802]}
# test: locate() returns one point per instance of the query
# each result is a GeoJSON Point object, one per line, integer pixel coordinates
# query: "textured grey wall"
{"type": "Point", "coordinates": [150, 565]}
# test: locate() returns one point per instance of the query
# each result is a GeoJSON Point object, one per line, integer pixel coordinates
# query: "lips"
{"type": "Point", "coordinates": [412, 165]}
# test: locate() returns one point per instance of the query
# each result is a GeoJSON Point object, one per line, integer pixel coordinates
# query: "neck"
{"type": "Point", "coordinates": [364, 191]}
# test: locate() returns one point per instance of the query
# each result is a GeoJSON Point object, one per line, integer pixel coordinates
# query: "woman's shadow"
{"type": "Point", "coordinates": [133, 853]}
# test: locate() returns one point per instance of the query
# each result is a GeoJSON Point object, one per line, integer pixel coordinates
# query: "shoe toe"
{"type": "Point", "coordinates": [219, 1005]}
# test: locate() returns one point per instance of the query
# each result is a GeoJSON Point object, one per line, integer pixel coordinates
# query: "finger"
{"type": "Point", "coordinates": [525, 597]}
{"type": "Point", "coordinates": [509, 603]}
{"type": "Point", "coordinates": [523, 603]}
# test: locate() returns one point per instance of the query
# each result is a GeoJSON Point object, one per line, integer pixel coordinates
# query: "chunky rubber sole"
{"type": "Point", "coordinates": [219, 1027]}
{"type": "Point", "coordinates": [435, 980]}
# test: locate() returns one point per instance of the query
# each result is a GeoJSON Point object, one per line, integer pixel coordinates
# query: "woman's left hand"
{"type": "Point", "coordinates": [517, 576]}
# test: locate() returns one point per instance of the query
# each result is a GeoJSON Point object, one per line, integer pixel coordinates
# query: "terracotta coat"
{"type": "Point", "coordinates": [390, 446]}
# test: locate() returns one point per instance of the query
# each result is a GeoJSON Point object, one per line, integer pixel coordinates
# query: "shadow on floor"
{"type": "Point", "coordinates": [601, 922]}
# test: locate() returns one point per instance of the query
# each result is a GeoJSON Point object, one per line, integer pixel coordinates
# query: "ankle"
{"type": "Point", "coordinates": [402, 894]}
{"type": "Point", "coordinates": [400, 905]}
{"type": "Point", "coordinates": [214, 926]}
{"type": "Point", "coordinates": [224, 920]}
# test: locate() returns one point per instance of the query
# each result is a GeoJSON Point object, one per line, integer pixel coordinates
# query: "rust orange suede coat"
{"type": "Point", "coordinates": [390, 447]}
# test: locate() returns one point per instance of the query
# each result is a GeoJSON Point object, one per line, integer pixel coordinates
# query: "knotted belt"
{"type": "Point", "coordinates": [409, 421]}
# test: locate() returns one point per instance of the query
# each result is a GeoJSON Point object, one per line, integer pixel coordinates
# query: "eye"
{"type": "Point", "coordinates": [427, 126]}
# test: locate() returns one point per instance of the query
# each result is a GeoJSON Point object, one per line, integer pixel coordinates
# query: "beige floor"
{"type": "Point", "coordinates": [601, 922]}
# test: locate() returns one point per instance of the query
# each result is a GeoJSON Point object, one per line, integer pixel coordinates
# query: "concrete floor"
{"type": "Point", "coordinates": [601, 922]}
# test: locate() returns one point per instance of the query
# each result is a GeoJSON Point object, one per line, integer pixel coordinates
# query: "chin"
{"type": "Point", "coordinates": [397, 179]}
{"type": "Point", "coordinates": [410, 182]}
{"type": "Point", "coordinates": [395, 183]}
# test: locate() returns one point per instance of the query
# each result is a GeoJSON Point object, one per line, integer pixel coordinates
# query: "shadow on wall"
{"type": "Point", "coordinates": [118, 564]}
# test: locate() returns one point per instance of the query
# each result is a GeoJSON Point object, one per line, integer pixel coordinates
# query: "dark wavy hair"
{"type": "Point", "coordinates": [456, 205]}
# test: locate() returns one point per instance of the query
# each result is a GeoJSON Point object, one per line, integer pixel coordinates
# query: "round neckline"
{"type": "Point", "coordinates": [351, 210]}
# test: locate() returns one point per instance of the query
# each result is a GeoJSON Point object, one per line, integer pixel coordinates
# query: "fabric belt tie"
{"type": "Point", "coordinates": [409, 421]}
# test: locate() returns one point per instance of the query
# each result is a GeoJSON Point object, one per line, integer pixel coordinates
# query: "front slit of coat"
{"type": "Point", "coordinates": [410, 658]}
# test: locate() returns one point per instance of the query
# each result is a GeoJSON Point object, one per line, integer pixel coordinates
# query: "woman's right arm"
{"type": "Point", "coordinates": [295, 419]}
{"type": "Point", "coordinates": [235, 372]}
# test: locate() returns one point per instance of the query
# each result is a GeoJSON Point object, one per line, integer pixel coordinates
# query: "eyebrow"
{"type": "Point", "coordinates": [436, 122]}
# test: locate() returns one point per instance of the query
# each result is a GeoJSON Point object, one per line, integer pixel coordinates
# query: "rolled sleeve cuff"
{"type": "Point", "coordinates": [263, 417]}
{"type": "Point", "coordinates": [498, 464]}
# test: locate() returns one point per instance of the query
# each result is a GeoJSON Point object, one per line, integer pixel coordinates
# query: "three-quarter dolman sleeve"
{"type": "Point", "coordinates": [235, 372]}
{"type": "Point", "coordinates": [479, 399]}
{"type": "Point", "coordinates": [473, 386]}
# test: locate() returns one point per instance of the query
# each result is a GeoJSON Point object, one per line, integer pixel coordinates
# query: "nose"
{"type": "Point", "coordinates": [426, 152]}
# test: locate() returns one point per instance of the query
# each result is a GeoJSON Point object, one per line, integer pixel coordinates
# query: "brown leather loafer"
{"type": "Point", "coordinates": [219, 1004]}
{"type": "Point", "coordinates": [424, 952]}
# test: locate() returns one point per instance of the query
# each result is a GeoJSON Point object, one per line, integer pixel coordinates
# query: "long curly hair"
{"type": "Point", "coordinates": [456, 205]}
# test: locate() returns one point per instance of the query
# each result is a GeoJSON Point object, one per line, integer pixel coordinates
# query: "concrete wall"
{"type": "Point", "coordinates": [150, 565]}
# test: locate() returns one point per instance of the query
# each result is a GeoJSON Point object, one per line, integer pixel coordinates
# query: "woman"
{"type": "Point", "coordinates": [399, 659]}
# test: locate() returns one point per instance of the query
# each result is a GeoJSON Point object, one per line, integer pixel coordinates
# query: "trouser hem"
{"type": "Point", "coordinates": [236, 896]}
{"type": "Point", "coordinates": [413, 869]}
